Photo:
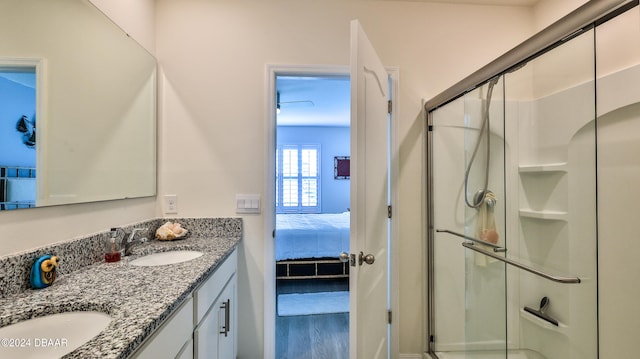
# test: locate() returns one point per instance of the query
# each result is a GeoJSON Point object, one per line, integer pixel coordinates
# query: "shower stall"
{"type": "Point", "coordinates": [524, 172]}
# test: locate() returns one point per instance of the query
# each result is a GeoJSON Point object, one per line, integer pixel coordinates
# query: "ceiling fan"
{"type": "Point", "coordinates": [303, 103]}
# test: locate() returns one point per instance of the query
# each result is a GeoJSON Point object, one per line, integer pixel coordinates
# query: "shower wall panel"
{"type": "Point", "coordinates": [555, 170]}
{"type": "Point", "coordinates": [618, 88]}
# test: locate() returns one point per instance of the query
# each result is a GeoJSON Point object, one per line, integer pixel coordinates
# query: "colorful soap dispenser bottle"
{"type": "Point", "coordinates": [44, 271]}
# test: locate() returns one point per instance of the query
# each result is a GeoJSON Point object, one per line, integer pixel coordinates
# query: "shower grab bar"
{"type": "Point", "coordinates": [557, 279]}
{"type": "Point", "coordinates": [496, 248]}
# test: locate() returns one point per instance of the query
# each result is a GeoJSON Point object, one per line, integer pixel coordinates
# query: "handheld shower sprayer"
{"type": "Point", "coordinates": [480, 195]}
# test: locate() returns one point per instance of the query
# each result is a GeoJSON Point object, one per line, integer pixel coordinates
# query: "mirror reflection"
{"type": "Point", "coordinates": [77, 107]}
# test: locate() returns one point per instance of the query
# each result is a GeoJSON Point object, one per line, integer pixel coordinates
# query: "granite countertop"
{"type": "Point", "coordinates": [138, 299]}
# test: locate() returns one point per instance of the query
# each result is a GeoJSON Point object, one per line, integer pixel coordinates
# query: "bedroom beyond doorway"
{"type": "Point", "coordinates": [312, 216]}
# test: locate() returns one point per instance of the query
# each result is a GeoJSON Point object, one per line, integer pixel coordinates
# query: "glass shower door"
{"type": "Point", "coordinates": [513, 236]}
{"type": "Point", "coordinates": [550, 124]}
{"type": "Point", "coordinates": [468, 172]}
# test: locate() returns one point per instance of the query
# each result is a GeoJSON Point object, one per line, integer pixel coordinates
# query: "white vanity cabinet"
{"type": "Point", "coordinates": [173, 338]}
{"type": "Point", "coordinates": [214, 335]}
{"type": "Point", "coordinates": [205, 324]}
{"type": "Point", "coordinates": [215, 314]}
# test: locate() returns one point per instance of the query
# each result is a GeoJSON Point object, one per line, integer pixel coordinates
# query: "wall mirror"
{"type": "Point", "coordinates": [77, 107]}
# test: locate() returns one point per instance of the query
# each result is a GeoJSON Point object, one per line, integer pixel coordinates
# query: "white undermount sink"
{"type": "Point", "coordinates": [164, 258]}
{"type": "Point", "coordinates": [51, 336]}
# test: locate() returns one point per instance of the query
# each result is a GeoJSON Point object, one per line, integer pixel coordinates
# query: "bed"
{"type": "Point", "coordinates": [17, 187]}
{"type": "Point", "coordinates": [308, 245]}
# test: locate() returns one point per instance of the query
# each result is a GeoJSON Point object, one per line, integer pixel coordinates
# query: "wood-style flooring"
{"type": "Point", "coordinates": [321, 336]}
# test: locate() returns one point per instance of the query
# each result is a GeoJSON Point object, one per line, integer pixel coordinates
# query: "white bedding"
{"type": "Point", "coordinates": [311, 235]}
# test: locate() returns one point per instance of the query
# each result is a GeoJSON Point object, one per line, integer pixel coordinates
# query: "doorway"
{"type": "Point", "coordinates": [312, 199]}
{"type": "Point", "coordinates": [270, 314]}
{"type": "Point", "coordinates": [18, 107]}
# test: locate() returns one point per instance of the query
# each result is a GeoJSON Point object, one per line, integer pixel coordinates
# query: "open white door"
{"type": "Point", "coordinates": [369, 283]}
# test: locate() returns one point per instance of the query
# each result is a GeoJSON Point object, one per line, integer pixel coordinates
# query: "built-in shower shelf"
{"type": "Point", "coordinates": [561, 328]}
{"type": "Point", "coordinates": [547, 215]}
{"type": "Point", "coordinates": [549, 167]}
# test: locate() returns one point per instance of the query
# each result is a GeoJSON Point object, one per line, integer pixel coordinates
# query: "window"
{"type": "Point", "coordinates": [298, 179]}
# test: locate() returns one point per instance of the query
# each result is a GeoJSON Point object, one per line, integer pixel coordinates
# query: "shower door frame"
{"type": "Point", "coordinates": [587, 16]}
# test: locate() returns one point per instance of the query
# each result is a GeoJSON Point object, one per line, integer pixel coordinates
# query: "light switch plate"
{"type": "Point", "coordinates": [248, 203]}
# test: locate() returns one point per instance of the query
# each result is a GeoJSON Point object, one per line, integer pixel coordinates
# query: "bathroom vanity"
{"type": "Point", "coordinates": [185, 308]}
{"type": "Point", "coordinates": [204, 325]}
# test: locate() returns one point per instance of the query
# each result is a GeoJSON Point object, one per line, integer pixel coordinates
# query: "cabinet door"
{"type": "Point", "coordinates": [187, 351]}
{"type": "Point", "coordinates": [170, 338]}
{"type": "Point", "coordinates": [215, 335]}
{"type": "Point", "coordinates": [227, 336]}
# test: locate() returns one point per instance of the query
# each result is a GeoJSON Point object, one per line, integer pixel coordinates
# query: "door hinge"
{"type": "Point", "coordinates": [389, 211]}
{"type": "Point", "coordinates": [273, 234]}
{"type": "Point", "coordinates": [389, 316]}
{"type": "Point", "coordinates": [389, 106]}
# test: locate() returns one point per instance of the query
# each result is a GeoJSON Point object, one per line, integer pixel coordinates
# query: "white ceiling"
{"type": "Point", "coordinates": [24, 77]}
{"type": "Point", "coordinates": [313, 101]}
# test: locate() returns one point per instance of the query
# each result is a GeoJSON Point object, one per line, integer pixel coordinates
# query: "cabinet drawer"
{"type": "Point", "coordinates": [169, 339]}
{"type": "Point", "coordinates": [209, 291]}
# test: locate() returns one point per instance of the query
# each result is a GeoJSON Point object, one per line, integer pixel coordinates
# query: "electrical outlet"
{"type": "Point", "coordinates": [170, 203]}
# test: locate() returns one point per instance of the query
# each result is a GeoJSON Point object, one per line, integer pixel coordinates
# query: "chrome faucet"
{"type": "Point", "coordinates": [130, 240]}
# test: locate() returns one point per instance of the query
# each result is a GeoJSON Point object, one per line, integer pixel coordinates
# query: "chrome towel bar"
{"type": "Point", "coordinates": [496, 248]}
{"type": "Point", "coordinates": [557, 279]}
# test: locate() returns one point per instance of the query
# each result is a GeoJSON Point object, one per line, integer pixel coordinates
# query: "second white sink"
{"type": "Point", "coordinates": [164, 258]}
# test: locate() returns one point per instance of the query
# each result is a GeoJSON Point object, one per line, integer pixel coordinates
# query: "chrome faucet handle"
{"type": "Point", "coordinates": [132, 235]}
{"type": "Point", "coordinates": [131, 240]}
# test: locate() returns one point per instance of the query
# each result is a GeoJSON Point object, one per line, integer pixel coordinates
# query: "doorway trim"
{"type": "Point", "coordinates": [39, 65]}
{"type": "Point", "coordinates": [271, 72]}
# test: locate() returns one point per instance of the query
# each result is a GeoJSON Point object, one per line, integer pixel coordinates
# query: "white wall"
{"type": "Point", "coordinates": [546, 12]}
{"type": "Point", "coordinates": [213, 55]}
{"type": "Point", "coordinates": [212, 116]}
{"type": "Point", "coordinates": [135, 17]}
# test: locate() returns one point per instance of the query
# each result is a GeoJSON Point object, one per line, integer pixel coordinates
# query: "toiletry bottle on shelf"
{"type": "Point", "coordinates": [113, 248]}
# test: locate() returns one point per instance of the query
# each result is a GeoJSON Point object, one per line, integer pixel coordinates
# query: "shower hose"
{"type": "Point", "coordinates": [484, 129]}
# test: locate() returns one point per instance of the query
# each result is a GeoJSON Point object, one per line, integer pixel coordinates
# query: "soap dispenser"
{"type": "Point", "coordinates": [113, 247]}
